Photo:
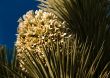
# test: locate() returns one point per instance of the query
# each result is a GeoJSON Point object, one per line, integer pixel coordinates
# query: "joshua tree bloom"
{"type": "Point", "coordinates": [37, 28]}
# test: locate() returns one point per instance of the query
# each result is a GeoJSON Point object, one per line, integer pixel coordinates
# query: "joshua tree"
{"type": "Point", "coordinates": [66, 39]}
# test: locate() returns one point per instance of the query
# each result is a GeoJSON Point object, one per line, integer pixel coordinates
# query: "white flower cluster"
{"type": "Point", "coordinates": [37, 28]}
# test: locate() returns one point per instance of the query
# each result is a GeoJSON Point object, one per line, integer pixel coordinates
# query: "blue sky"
{"type": "Point", "coordinates": [10, 11]}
